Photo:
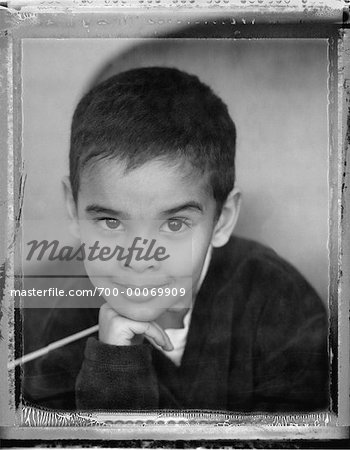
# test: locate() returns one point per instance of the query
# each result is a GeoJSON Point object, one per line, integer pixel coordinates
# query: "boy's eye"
{"type": "Point", "coordinates": [175, 225]}
{"type": "Point", "coordinates": [111, 224]}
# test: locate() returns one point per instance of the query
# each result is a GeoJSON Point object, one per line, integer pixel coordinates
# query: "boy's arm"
{"type": "Point", "coordinates": [117, 378]}
{"type": "Point", "coordinates": [115, 373]}
{"type": "Point", "coordinates": [109, 377]}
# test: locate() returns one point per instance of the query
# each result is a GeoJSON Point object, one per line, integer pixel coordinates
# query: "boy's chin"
{"type": "Point", "coordinates": [139, 314]}
{"type": "Point", "coordinates": [170, 316]}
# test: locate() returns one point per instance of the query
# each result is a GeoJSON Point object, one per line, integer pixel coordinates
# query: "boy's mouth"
{"type": "Point", "coordinates": [141, 286]}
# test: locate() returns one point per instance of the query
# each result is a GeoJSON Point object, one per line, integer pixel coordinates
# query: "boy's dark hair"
{"type": "Point", "coordinates": [155, 113]}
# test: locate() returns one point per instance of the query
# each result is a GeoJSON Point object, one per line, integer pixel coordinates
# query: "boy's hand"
{"type": "Point", "coordinates": [118, 330]}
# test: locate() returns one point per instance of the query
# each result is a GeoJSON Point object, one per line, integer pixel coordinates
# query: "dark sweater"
{"type": "Point", "coordinates": [257, 342]}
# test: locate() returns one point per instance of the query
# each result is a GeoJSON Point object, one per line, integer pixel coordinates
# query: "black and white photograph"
{"type": "Point", "coordinates": [176, 216]}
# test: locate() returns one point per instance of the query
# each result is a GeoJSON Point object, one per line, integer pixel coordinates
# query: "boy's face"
{"type": "Point", "coordinates": [161, 204]}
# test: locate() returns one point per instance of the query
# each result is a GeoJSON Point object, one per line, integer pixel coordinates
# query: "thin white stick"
{"type": "Point", "coordinates": [52, 346]}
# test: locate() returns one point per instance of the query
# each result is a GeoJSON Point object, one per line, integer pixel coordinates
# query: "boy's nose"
{"type": "Point", "coordinates": [140, 255]}
{"type": "Point", "coordinates": [140, 266]}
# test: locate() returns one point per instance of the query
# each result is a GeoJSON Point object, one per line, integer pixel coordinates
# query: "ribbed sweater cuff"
{"type": "Point", "coordinates": [117, 355]}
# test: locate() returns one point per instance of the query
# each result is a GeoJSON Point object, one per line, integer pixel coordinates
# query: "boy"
{"type": "Point", "coordinates": [203, 320]}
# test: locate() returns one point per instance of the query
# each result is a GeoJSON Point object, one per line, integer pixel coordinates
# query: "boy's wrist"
{"type": "Point", "coordinates": [136, 340]}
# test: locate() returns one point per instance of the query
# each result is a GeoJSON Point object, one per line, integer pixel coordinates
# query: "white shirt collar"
{"type": "Point", "coordinates": [178, 336]}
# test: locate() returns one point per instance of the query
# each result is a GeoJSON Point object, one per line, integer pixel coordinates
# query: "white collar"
{"type": "Point", "coordinates": [178, 336]}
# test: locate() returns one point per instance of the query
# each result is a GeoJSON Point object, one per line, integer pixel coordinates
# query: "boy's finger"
{"type": "Point", "coordinates": [157, 338]}
{"type": "Point", "coordinates": [148, 329]}
{"type": "Point", "coordinates": [169, 345]}
{"type": "Point", "coordinates": [158, 335]}
{"type": "Point", "coordinates": [152, 341]}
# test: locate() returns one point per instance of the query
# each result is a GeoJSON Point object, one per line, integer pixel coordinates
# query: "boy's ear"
{"type": "Point", "coordinates": [71, 207]}
{"type": "Point", "coordinates": [228, 219]}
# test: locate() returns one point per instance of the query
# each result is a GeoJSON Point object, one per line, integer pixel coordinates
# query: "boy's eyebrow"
{"type": "Point", "coordinates": [189, 205]}
{"type": "Point", "coordinates": [112, 212]}
{"type": "Point", "coordinates": [102, 210]}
